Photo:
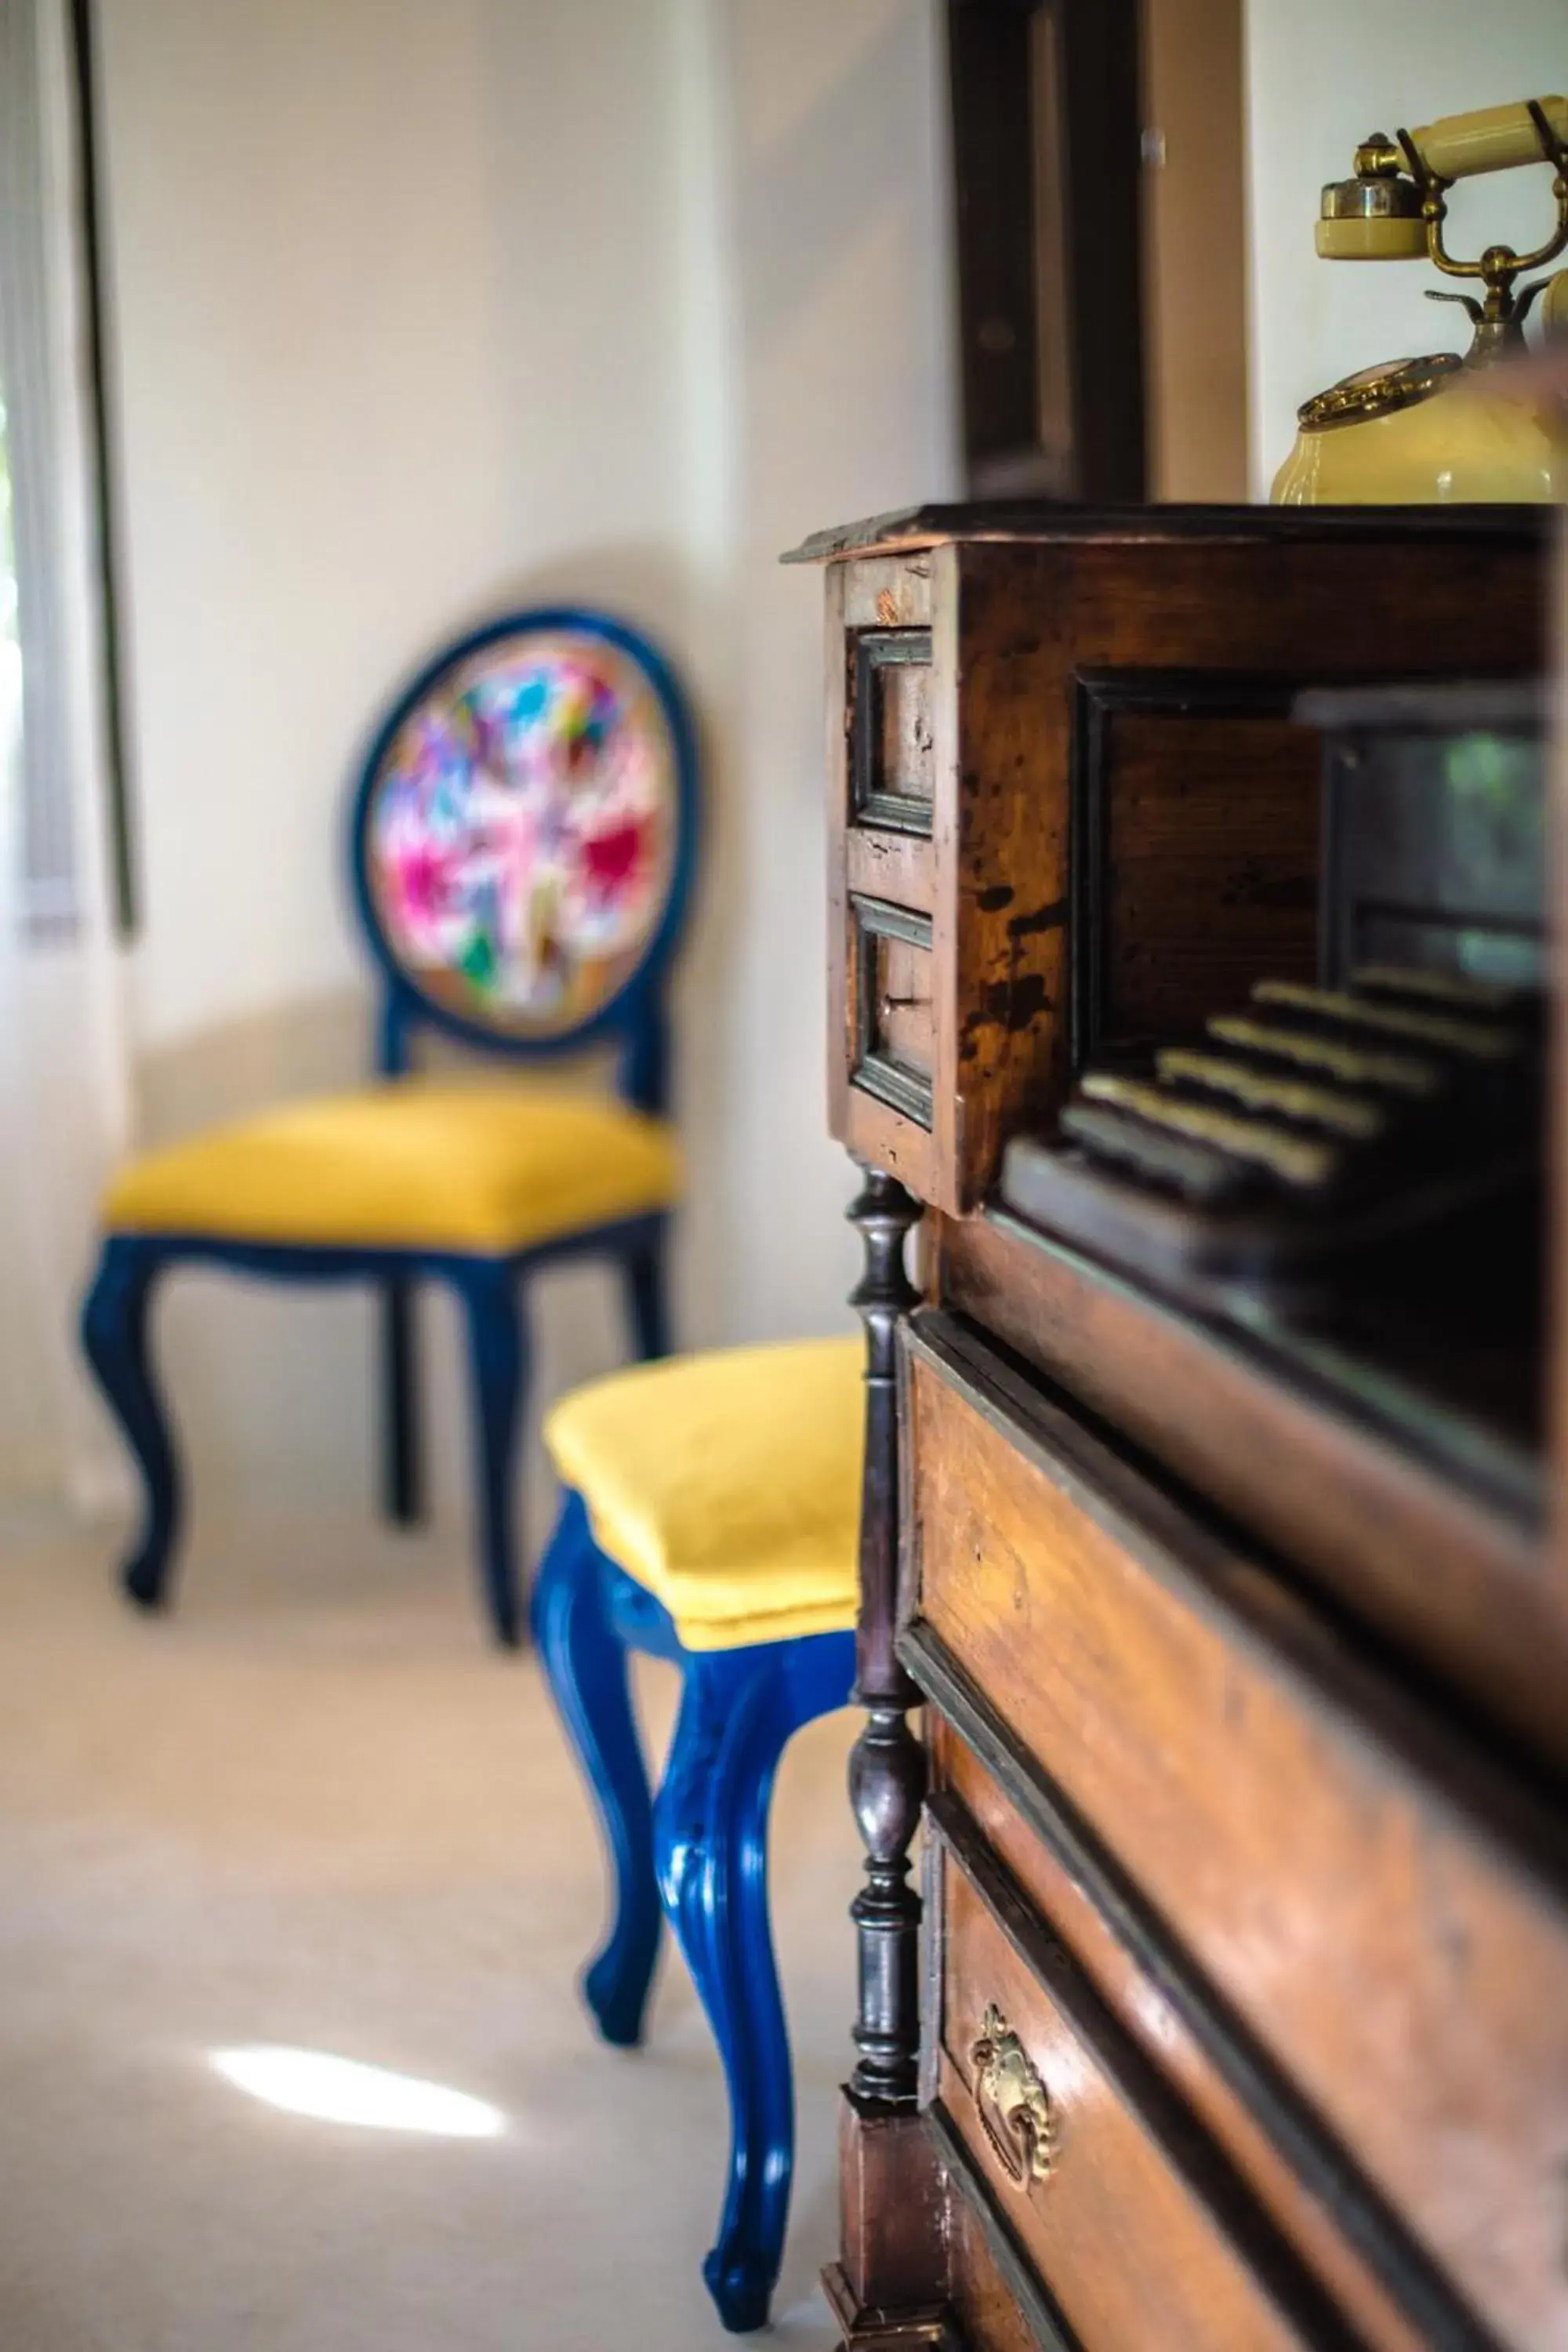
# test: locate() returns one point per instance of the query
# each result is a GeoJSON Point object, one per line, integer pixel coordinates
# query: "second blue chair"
{"type": "Point", "coordinates": [523, 838]}
{"type": "Point", "coordinates": [711, 1517]}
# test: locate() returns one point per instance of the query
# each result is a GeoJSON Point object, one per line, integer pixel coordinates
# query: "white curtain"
{"type": "Point", "coordinates": [64, 1099]}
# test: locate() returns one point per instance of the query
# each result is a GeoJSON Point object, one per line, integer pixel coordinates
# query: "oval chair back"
{"type": "Point", "coordinates": [523, 834]}
{"type": "Point", "coordinates": [523, 837]}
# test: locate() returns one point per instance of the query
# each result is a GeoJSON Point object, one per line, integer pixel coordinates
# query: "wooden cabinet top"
{"type": "Point", "coordinates": [1045, 519]}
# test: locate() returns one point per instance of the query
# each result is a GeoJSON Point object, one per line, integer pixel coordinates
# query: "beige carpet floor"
{"type": "Point", "coordinates": [309, 1810]}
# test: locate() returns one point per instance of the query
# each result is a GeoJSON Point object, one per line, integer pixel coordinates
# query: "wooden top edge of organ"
{"type": "Point", "coordinates": [905, 528]}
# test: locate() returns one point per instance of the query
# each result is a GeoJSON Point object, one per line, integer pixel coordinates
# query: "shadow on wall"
{"type": "Point", "coordinates": [265, 1381]}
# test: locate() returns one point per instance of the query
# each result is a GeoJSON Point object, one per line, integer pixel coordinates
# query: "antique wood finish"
{"type": "Point", "coordinates": [1123, 827]}
{"type": "Point", "coordinates": [1194, 824]}
{"type": "Point", "coordinates": [1458, 1580]}
{"type": "Point", "coordinates": [897, 867]}
{"type": "Point", "coordinates": [901, 1005]}
{"type": "Point", "coordinates": [888, 2286]}
{"type": "Point", "coordinates": [1241, 1658]}
{"type": "Point", "coordinates": [1306, 2216]}
{"type": "Point", "coordinates": [982, 2307]}
{"type": "Point", "coordinates": [1201, 1723]}
{"type": "Point", "coordinates": [1195, 612]}
{"type": "Point", "coordinates": [891, 997]}
{"type": "Point", "coordinates": [1376, 2234]}
{"type": "Point", "coordinates": [871, 863]}
{"type": "Point", "coordinates": [893, 2250]}
{"type": "Point", "coordinates": [886, 1766]}
{"type": "Point", "coordinates": [911, 2328]}
{"type": "Point", "coordinates": [1138, 2213]}
{"type": "Point", "coordinates": [906, 534]}
{"type": "Point", "coordinates": [890, 729]}
{"type": "Point", "coordinates": [995, 2293]}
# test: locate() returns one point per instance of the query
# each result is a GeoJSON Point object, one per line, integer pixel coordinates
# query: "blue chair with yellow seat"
{"type": "Point", "coordinates": [523, 838]}
{"type": "Point", "coordinates": [710, 1517]}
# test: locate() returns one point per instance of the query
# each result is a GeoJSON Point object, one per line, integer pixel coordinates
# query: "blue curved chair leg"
{"type": "Point", "coordinates": [402, 1471]}
{"type": "Point", "coordinates": [738, 1709]}
{"type": "Point", "coordinates": [498, 1357]}
{"type": "Point", "coordinates": [114, 1329]}
{"type": "Point", "coordinates": [645, 1272]}
{"type": "Point", "coordinates": [585, 1663]}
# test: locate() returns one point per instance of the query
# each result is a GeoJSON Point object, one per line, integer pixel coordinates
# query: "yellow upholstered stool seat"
{"type": "Point", "coordinates": [728, 1485]}
{"type": "Point", "coordinates": [409, 1164]}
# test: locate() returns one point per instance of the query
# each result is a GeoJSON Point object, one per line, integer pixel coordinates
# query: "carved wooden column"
{"type": "Point", "coordinates": [888, 2285]}
{"type": "Point", "coordinates": [887, 1766]}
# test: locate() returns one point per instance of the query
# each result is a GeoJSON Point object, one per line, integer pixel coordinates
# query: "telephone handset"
{"type": "Point", "coordinates": [1405, 431]}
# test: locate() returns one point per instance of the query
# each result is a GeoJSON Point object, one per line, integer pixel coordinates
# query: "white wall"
{"type": "Point", "coordinates": [1319, 80]}
{"type": "Point", "coordinates": [846, 404]}
{"type": "Point", "coordinates": [393, 288]}
{"type": "Point", "coordinates": [421, 312]}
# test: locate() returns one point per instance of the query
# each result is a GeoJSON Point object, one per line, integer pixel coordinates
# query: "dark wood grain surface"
{"type": "Point", "coordinates": [889, 2284]}
{"type": "Point", "coordinates": [1124, 826]}
{"type": "Point", "coordinates": [1245, 1678]}
{"type": "Point", "coordinates": [1461, 1584]}
{"type": "Point", "coordinates": [1388, 1919]}
{"type": "Point", "coordinates": [1310, 2221]}
{"type": "Point", "coordinates": [980, 2299]}
{"type": "Point", "coordinates": [1208, 828]}
{"type": "Point", "coordinates": [1124, 2225]}
{"type": "Point", "coordinates": [909, 529]}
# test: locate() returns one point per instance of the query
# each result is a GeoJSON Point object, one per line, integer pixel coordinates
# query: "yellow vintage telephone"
{"type": "Point", "coordinates": [1418, 430]}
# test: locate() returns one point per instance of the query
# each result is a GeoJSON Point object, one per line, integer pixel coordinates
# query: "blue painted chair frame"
{"type": "Point", "coordinates": [116, 1315]}
{"type": "Point", "coordinates": [697, 1853]}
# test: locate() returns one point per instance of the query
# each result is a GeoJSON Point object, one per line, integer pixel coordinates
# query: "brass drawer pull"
{"type": "Point", "coordinates": [1008, 2086]}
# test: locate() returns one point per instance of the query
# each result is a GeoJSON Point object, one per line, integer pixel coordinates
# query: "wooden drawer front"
{"type": "Point", "coordinates": [1364, 1932]}
{"type": "Point", "coordinates": [1135, 2215]}
{"type": "Point", "coordinates": [884, 721]}
{"type": "Point", "coordinates": [1141, 2007]}
{"type": "Point", "coordinates": [982, 2297]}
{"type": "Point", "coordinates": [890, 964]}
{"type": "Point", "coordinates": [891, 767]}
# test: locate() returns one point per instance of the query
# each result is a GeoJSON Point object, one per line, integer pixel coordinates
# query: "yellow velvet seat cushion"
{"type": "Point", "coordinates": [728, 1483]}
{"type": "Point", "coordinates": [407, 1164]}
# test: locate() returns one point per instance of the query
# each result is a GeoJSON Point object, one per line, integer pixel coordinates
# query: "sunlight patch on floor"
{"type": "Point", "coordinates": [345, 2091]}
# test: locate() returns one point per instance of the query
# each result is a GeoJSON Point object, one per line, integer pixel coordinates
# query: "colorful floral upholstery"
{"type": "Point", "coordinates": [518, 837]}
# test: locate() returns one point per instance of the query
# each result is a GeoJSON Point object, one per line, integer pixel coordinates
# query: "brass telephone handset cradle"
{"type": "Point", "coordinates": [1392, 433]}
{"type": "Point", "coordinates": [1499, 319]}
